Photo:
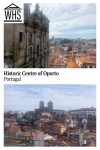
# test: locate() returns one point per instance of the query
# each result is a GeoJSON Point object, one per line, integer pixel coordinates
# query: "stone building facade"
{"type": "Point", "coordinates": [26, 45]}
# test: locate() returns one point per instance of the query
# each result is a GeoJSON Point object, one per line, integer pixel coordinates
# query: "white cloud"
{"type": "Point", "coordinates": [65, 17]}
{"type": "Point", "coordinates": [27, 97]}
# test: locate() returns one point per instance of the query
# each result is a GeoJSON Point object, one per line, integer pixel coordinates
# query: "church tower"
{"type": "Point", "coordinates": [41, 105]}
{"type": "Point", "coordinates": [50, 106]}
{"type": "Point", "coordinates": [37, 8]}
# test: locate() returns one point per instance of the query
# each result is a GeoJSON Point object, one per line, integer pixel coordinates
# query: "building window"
{"type": "Point", "coordinates": [90, 66]}
{"type": "Point", "coordinates": [30, 53]}
{"type": "Point", "coordinates": [38, 50]}
{"type": "Point", "coordinates": [30, 38]}
{"type": "Point", "coordinates": [85, 66]}
{"type": "Point", "coordinates": [20, 36]}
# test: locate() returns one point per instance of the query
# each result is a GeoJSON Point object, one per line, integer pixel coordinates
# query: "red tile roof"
{"type": "Point", "coordinates": [86, 60]}
{"type": "Point", "coordinates": [72, 64]}
{"type": "Point", "coordinates": [14, 129]}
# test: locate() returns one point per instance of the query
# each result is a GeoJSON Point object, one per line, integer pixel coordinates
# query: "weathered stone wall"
{"type": "Point", "coordinates": [8, 38]}
{"type": "Point", "coordinates": [28, 42]}
{"type": "Point", "coordinates": [19, 46]}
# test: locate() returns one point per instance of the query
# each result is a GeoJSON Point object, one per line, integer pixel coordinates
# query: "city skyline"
{"type": "Point", "coordinates": [67, 97]}
{"type": "Point", "coordinates": [70, 20]}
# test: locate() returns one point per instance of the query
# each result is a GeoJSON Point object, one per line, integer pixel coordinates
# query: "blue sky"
{"type": "Point", "coordinates": [70, 20]}
{"type": "Point", "coordinates": [27, 97]}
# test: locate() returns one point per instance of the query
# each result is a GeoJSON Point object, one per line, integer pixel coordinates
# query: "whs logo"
{"type": "Point", "coordinates": [13, 13]}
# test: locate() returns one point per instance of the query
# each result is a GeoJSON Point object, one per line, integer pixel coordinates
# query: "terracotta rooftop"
{"type": "Point", "coordinates": [86, 60]}
{"type": "Point", "coordinates": [92, 54]}
{"type": "Point", "coordinates": [27, 134]}
{"type": "Point", "coordinates": [14, 129]}
{"type": "Point", "coordinates": [72, 64]}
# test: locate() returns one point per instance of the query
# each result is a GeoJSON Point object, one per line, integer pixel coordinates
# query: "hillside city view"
{"type": "Point", "coordinates": [72, 53]}
{"type": "Point", "coordinates": [66, 120]}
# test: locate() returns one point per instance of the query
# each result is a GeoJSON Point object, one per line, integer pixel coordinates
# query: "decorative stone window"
{"type": "Point", "coordinates": [30, 38]}
{"type": "Point", "coordinates": [30, 53]}
{"type": "Point", "coordinates": [38, 50]}
{"type": "Point", "coordinates": [20, 36]}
